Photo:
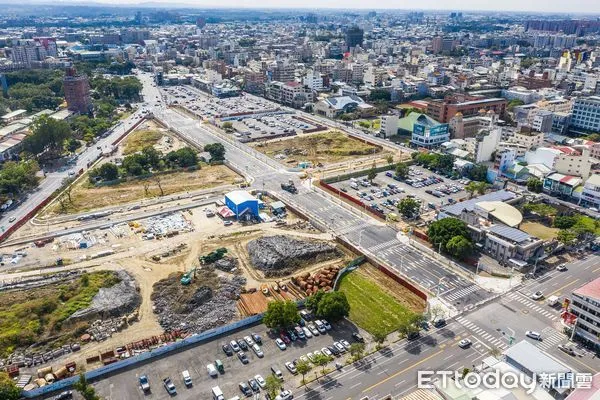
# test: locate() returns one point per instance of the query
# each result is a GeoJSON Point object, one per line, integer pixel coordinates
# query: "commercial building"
{"type": "Point", "coordinates": [486, 144]}
{"type": "Point", "coordinates": [389, 125]}
{"type": "Point", "coordinates": [77, 92]}
{"type": "Point", "coordinates": [586, 114]}
{"type": "Point", "coordinates": [333, 107]}
{"type": "Point", "coordinates": [585, 305]}
{"type": "Point", "coordinates": [442, 45]}
{"type": "Point", "coordinates": [511, 246]}
{"type": "Point", "coordinates": [26, 51]}
{"type": "Point", "coordinates": [354, 37]}
{"type": "Point", "coordinates": [313, 80]}
{"type": "Point", "coordinates": [424, 130]}
{"type": "Point", "coordinates": [444, 110]}
{"type": "Point", "coordinates": [562, 185]}
{"type": "Point", "coordinates": [590, 196]}
{"type": "Point", "coordinates": [575, 162]}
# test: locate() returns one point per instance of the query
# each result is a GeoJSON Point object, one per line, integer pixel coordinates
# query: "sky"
{"type": "Point", "coordinates": [560, 6]}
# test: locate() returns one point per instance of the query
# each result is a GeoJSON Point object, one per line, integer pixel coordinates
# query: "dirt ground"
{"type": "Point", "coordinates": [149, 133]}
{"type": "Point", "coordinates": [538, 230]}
{"type": "Point", "coordinates": [86, 197]}
{"type": "Point", "coordinates": [327, 147]}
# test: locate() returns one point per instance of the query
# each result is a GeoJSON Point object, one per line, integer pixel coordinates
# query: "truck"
{"type": "Point", "coordinates": [144, 383]}
{"type": "Point", "coordinates": [289, 187]}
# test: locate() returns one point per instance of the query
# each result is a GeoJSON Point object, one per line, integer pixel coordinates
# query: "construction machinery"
{"type": "Point", "coordinates": [187, 278]}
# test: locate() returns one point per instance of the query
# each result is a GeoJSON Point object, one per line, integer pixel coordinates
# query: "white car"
{"type": "Point", "coordinates": [345, 344]}
{"type": "Point", "coordinates": [313, 330]}
{"type": "Point", "coordinates": [307, 332]}
{"type": "Point", "coordinates": [234, 346]}
{"type": "Point", "coordinates": [327, 352]}
{"type": "Point", "coordinates": [463, 344]}
{"type": "Point", "coordinates": [561, 267]}
{"type": "Point", "coordinates": [284, 395]}
{"type": "Point", "coordinates": [340, 347]}
{"type": "Point", "coordinates": [249, 340]}
{"type": "Point", "coordinates": [280, 343]}
{"type": "Point", "coordinates": [291, 367]}
{"type": "Point", "coordinates": [326, 324]}
{"type": "Point", "coordinates": [212, 371]}
{"type": "Point", "coordinates": [311, 357]}
{"type": "Point", "coordinates": [537, 295]}
{"type": "Point", "coordinates": [257, 350]}
{"type": "Point", "coordinates": [534, 335]}
{"type": "Point", "coordinates": [260, 380]}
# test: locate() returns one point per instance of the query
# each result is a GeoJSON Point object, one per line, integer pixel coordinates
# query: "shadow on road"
{"type": "Point", "coordinates": [429, 341]}
{"type": "Point", "coordinates": [386, 352]}
{"type": "Point", "coordinates": [311, 393]}
{"type": "Point", "coordinates": [413, 348]}
{"type": "Point", "coordinates": [363, 365]}
{"type": "Point", "coordinates": [447, 333]}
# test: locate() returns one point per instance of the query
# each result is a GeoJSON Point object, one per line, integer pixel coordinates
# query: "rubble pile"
{"type": "Point", "coordinates": [209, 301]}
{"type": "Point", "coordinates": [280, 255]}
{"type": "Point", "coordinates": [320, 280]}
{"type": "Point", "coordinates": [226, 264]}
{"type": "Point", "coordinates": [119, 299]}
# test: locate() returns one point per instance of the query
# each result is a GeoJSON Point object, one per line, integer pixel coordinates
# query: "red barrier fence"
{"type": "Point", "coordinates": [352, 199]}
{"type": "Point", "coordinates": [47, 200]}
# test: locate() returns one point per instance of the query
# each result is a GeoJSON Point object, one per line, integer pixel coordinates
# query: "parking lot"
{"type": "Point", "coordinates": [268, 125]}
{"type": "Point", "coordinates": [208, 106]}
{"type": "Point", "coordinates": [386, 190]}
{"type": "Point", "coordinates": [125, 385]}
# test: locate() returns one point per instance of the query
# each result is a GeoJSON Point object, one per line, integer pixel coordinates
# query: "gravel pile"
{"type": "Point", "coordinates": [281, 255]}
{"type": "Point", "coordinates": [208, 302]}
{"type": "Point", "coordinates": [120, 299]}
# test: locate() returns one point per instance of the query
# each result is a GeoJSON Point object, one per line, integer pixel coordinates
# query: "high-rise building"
{"type": "Point", "coordinates": [586, 114]}
{"type": "Point", "coordinates": [354, 37]}
{"type": "Point", "coordinates": [77, 92]}
{"type": "Point", "coordinates": [442, 45]}
{"type": "Point", "coordinates": [30, 50]}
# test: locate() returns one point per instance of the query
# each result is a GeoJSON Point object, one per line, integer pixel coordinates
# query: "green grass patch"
{"type": "Point", "coordinates": [138, 140]}
{"type": "Point", "coordinates": [371, 307]}
{"type": "Point", "coordinates": [31, 316]}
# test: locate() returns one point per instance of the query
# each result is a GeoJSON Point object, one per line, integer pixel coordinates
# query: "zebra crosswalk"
{"type": "Point", "coordinates": [454, 295]}
{"type": "Point", "coordinates": [531, 305]}
{"type": "Point", "coordinates": [384, 245]}
{"type": "Point", "coordinates": [550, 338]}
{"type": "Point", "coordinates": [482, 334]}
{"type": "Point", "coordinates": [421, 394]}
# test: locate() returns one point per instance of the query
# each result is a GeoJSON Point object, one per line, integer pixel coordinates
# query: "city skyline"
{"type": "Point", "coordinates": [587, 7]}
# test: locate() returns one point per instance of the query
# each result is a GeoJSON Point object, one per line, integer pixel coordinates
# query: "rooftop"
{"type": "Point", "coordinates": [503, 212]}
{"type": "Point", "coordinates": [511, 234]}
{"type": "Point", "coordinates": [240, 196]}
{"type": "Point", "coordinates": [533, 359]}
{"type": "Point", "coordinates": [407, 123]}
{"type": "Point", "coordinates": [468, 205]}
{"type": "Point", "coordinates": [590, 289]}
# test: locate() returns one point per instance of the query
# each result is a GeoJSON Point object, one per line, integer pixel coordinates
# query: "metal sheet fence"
{"type": "Point", "coordinates": [144, 357]}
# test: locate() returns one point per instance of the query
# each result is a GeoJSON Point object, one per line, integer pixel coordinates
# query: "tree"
{"type": "Point", "coordinates": [227, 126]}
{"type": "Point", "coordinates": [566, 236]}
{"type": "Point", "coordinates": [281, 314]}
{"type": "Point", "coordinates": [321, 360]}
{"type": "Point", "coordinates": [564, 221]}
{"type": "Point", "coordinates": [534, 185]}
{"type": "Point", "coordinates": [17, 176]}
{"type": "Point", "coordinates": [8, 388]}
{"type": "Point", "coordinates": [380, 95]}
{"type": "Point", "coordinates": [410, 324]}
{"type": "Point", "coordinates": [216, 150]}
{"type": "Point", "coordinates": [312, 301]}
{"type": "Point", "coordinates": [435, 312]}
{"type": "Point", "coordinates": [87, 391]}
{"type": "Point", "coordinates": [272, 386]}
{"type": "Point", "coordinates": [459, 246]}
{"type": "Point", "coordinates": [184, 157]}
{"type": "Point", "coordinates": [478, 173]}
{"type": "Point", "coordinates": [441, 231]}
{"type": "Point", "coordinates": [333, 306]}
{"type": "Point", "coordinates": [402, 170]}
{"type": "Point", "coordinates": [47, 134]}
{"type": "Point", "coordinates": [157, 179]}
{"type": "Point", "coordinates": [390, 159]}
{"type": "Point", "coordinates": [357, 351]}
{"type": "Point", "coordinates": [67, 183]}
{"type": "Point", "coordinates": [108, 171]}
{"type": "Point", "coordinates": [409, 207]}
{"type": "Point", "coordinates": [514, 103]}
{"type": "Point", "coordinates": [303, 367]}
{"type": "Point", "coordinates": [152, 156]}
{"type": "Point", "coordinates": [379, 338]}
{"type": "Point", "coordinates": [471, 188]}
{"type": "Point", "coordinates": [372, 173]}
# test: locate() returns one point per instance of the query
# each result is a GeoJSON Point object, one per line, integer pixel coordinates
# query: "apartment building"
{"type": "Point", "coordinates": [444, 110]}
{"type": "Point", "coordinates": [586, 114]}
{"type": "Point", "coordinates": [590, 196]}
{"type": "Point", "coordinates": [585, 305]}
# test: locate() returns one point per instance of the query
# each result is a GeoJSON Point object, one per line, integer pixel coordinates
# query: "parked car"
{"type": "Point", "coordinates": [212, 371]}
{"type": "Point", "coordinates": [227, 350]}
{"type": "Point", "coordinates": [253, 384]}
{"type": "Point", "coordinates": [291, 367]}
{"type": "Point", "coordinates": [280, 343]}
{"type": "Point", "coordinates": [358, 337]}
{"type": "Point", "coordinates": [313, 330]}
{"type": "Point", "coordinates": [258, 351]}
{"type": "Point", "coordinates": [463, 344]}
{"type": "Point", "coordinates": [284, 395]}
{"type": "Point", "coordinates": [245, 389]}
{"type": "Point", "coordinates": [243, 345]}
{"type": "Point", "coordinates": [334, 350]}
{"type": "Point", "coordinates": [243, 357]}
{"type": "Point", "coordinates": [219, 366]}
{"type": "Point", "coordinates": [169, 386]}
{"type": "Point", "coordinates": [257, 338]}
{"type": "Point", "coordinates": [285, 338]}
{"type": "Point", "coordinates": [327, 352]}
{"type": "Point", "coordinates": [234, 346]}
{"type": "Point", "coordinates": [249, 340]}
{"type": "Point", "coordinates": [561, 267]}
{"type": "Point", "coordinates": [67, 394]}
{"type": "Point", "coordinates": [144, 384]}
{"type": "Point", "coordinates": [307, 332]}
{"type": "Point", "coordinates": [438, 323]}
{"type": "Point", "coordinates": [345, 344]}
{"type": "Point", "coordinates": [340, 347]}
{"type": "Point", "coordinates": [260, 380]}
{"type": "Point", "coordinates": [277, 372]}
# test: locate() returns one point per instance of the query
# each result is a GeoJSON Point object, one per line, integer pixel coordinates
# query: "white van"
{"type": "Point", "coordinates": [187, 379]}
{"type": "Point", "coordinates": [354, 185]}
{"type": "Point", "coordinates": [217, 393]}
{"type": "Point", "coordinates": [212, 371]}
{"type": "Point", "coordinates": [552, 301]}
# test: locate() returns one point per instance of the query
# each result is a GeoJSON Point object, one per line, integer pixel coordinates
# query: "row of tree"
{"type": "Point", "coordinates": [33, 90]}
{"type": "Point", "coordinates": [16, 177]}
{"type": "Point", "coordinates": [144, 162]}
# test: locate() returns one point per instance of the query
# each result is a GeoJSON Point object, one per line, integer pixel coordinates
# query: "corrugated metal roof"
{"type": "Point", "coordinates": [533, 359]}
{"type": "Point", "coordinates": [509, 233]}
{"type": "Point", "coordinates": [457, 208]}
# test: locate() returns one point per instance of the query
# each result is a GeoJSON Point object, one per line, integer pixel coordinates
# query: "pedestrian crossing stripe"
{"type": "Point", "coordinates": [455, 295]}
{"type": "Point", "coordinates": [421, 394]}
{"type": "Point", "coordinates": [499, 343]}
{"type": "Point", "coordinates": [533, 306]}
{"type": "Point", "coordinates": [383, 245]}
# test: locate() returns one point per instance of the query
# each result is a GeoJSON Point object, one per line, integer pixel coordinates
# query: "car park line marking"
{"type": "Point", "coordinates": [355, 385]}
{"type": "Point", "coordinates": [449, 357]}
{"type": "Point", "coordinates": [403, 371]}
